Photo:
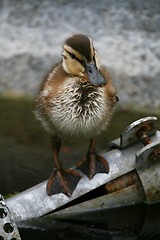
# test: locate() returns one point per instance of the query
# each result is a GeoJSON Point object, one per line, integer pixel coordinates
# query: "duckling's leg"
{"type": "Point", "coordinates": [93, 163]}
{"type": "Point", "coordinates": [61, 180]}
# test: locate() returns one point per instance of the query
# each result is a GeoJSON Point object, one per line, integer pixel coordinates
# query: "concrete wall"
{"type": "Point", "coordinates": [126, 33]}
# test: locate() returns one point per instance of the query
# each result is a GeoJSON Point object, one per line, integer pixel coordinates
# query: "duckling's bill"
{"type": "Point", "coordinates": [95, 76]}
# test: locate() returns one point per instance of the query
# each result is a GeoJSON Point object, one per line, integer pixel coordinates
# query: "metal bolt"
{"type": "Point", "coordinates": [142, 134]}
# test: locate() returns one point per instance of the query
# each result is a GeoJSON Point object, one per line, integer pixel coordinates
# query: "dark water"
{"type": "Point", "coordinates": [26, 159]}
{"type": "Point", "coordinates": [139, 222]}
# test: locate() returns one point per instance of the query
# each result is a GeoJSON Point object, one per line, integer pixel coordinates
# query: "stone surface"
{"type": "Point", "coordinates": [126, 33]}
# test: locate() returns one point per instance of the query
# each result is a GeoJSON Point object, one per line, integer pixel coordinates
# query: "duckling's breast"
{"type": "Point", "coordinates": [79, 109]}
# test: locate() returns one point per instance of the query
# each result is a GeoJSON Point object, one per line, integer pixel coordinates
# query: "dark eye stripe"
{"type": "Point", "coordinates": [73, 56]}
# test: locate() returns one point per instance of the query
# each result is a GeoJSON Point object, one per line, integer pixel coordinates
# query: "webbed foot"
{"type": "Point", "coordinates": [93, 164]}
{"type": "Point", "coordinates": [62, 181]}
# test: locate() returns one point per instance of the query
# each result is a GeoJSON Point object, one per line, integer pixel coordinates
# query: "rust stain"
{"type": "Point", "coordinates": [155, 155]}
{"type": "Point", "coordinates": [122, 182]}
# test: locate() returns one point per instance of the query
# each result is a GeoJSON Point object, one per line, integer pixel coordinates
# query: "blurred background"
{"type": "Point", "coordinates": [127, 35]}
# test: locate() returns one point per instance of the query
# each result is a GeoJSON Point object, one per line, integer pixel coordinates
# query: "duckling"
{"type": "Point", "coordinates": [76, 100]}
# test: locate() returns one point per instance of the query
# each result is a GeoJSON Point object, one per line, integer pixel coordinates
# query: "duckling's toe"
{"type": "Point", "coordinates": [93, 164]}
{"type": "Point", "coordinates": [62, 181]}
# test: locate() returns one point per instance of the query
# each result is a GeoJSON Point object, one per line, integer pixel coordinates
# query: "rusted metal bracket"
{"type": "Point", "coordinates": [133, 158]}
{"type": "Point", "coordinates": [135, 132]}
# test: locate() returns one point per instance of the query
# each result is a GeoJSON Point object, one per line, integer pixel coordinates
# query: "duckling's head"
{"type": "Point", "coordinates": [80, 57]}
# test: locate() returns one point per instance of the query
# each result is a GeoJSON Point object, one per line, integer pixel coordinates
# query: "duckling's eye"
{"type": "Point", "coordinates": [73, 56]}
